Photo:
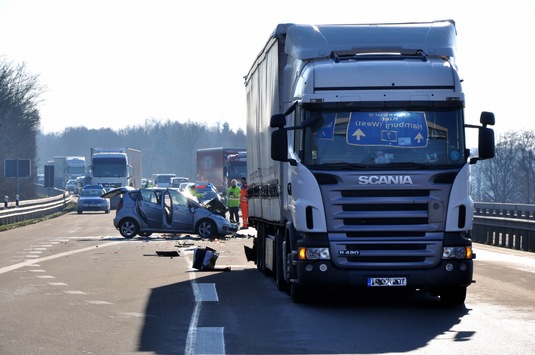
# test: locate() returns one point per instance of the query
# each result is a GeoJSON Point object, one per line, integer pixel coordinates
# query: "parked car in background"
{"type": "Point", "coordinates": [177, 180]}
{"type": "Point", "coordinates": [184, 186]}
{"type": "Point", "coordinates": [166, 210]}
{"type": "Point", "coordinates": [91, 199]}
{"type": "Point", "coordinates": [162, 180]}
{"type": "Point", "coordinates": [71, 186]}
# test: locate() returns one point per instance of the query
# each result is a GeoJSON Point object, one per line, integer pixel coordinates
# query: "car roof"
{"type": "Point", "coordinates": [93, 187]}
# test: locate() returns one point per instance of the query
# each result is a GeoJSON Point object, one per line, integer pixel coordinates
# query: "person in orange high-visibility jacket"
{"type": "Point", "coordinates": [243, 203]}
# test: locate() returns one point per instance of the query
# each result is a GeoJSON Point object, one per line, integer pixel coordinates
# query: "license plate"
{"type": "Point", "coordinates": [387, 281]}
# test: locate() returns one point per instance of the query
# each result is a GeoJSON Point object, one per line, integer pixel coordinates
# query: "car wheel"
{"type": "Point", "coordinates": [207, 229]}
{"type": "Point", "coordinates": [107, 211]}
{"type": "Point", "coordinates": [128, 228]}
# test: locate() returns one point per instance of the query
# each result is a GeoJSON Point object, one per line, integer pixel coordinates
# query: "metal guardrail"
{"type": "Point", "coordinates": [30, 209]}
{"type": "Point", "coordinates": [505, 225]}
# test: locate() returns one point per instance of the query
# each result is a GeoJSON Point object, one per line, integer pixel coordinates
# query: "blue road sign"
{"type": "Point", "coordinates": [392, 129]}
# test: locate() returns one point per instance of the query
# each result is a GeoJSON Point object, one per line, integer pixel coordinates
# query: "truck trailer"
{"type": "Point", "coordinates": [68, 168]}
{"type": "Point", "coordinates": [358, 170]}
{"type": "Point", "coordinates": [219, 166]}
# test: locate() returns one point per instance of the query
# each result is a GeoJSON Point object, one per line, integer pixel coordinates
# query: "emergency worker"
{"type": "Point", "coordinates": [243, 203]}
{"type": "Point", "coordinates": [233, 201]}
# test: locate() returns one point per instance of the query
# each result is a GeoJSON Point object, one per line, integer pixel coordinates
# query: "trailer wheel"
{"type": "Point", "coordinates": [453, 296]}
{"type": "Point", "coordinates": [260, 252]}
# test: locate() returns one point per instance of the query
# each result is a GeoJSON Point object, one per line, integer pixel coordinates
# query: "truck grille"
{"type": "Point", "coordinates": [384, 226]}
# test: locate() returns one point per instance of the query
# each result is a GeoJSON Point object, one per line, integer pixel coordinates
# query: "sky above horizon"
{"type": "Point", "coordinates": [118, 63]}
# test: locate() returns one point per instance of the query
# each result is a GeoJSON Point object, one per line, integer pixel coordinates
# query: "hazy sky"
{"type": "Point", "coordinates": [117, 63]}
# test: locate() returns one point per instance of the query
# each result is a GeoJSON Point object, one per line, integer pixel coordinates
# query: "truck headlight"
{"type": "Point", "coordinates": [464, 252]}
{"type": "Point", "coordinates": [314, 253]}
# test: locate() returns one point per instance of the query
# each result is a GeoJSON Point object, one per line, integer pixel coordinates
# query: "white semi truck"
{"type": "Point", "coordinates": [357, 165]}
{"type": "Point", "coordinates": [115, 167]}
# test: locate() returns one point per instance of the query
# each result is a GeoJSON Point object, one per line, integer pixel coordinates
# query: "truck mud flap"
{"type": "Point", "coordinates": [269, 252]}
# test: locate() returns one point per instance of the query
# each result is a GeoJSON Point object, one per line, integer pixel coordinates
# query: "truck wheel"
{"type": "Point", "coordinates": [453, 296]}
{"type": "Point", "coordinates": [280, 268]}
{"type": "Point", "coordinates": [128, 228]}
{"type": "Point", "coordinates": [298, 293]}
{"type": "Point", "coordinates": [206, 229]}
{"type": "Point", "coordinates": [288, 272]}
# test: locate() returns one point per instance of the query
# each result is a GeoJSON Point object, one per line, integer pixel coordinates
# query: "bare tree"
{"type": "Point", "coordinates": [498, 174]}
{"type": "Point", "coordinates": [19, 122]}
{"type": "Point", "coordinates": [525, 142]}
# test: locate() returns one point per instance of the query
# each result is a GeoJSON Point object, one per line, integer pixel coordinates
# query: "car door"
{"type": "Point", "coordinates": [182, 219]}
{"type": "Point", "coordinates": [150, 208]}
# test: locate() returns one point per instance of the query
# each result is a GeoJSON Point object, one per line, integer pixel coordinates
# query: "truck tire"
{"type": "Point", "coordinates": [261, 249]}
{"type": "Point", "coordinates": [453, 296]}
{"type": "Point", "coordinates": [280, 266]}
{"type": "Point", "coordinates": [298, 293]}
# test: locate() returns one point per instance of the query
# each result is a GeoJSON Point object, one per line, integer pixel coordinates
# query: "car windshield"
{"type": "Point", "coordinates": [360, 139]}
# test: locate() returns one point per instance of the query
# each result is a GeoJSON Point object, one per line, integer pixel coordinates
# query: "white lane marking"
{"type": "Point", "coordinates": [51, 257]}
{"type": "Point", "coordinates": [203, 340]}
{"type": "Point", "coordinates": [205, 292]}
{"type": "Point", "coordinates": [75, 292]}
{"type": "Point", "coordinates": [208, 341]}
{"type": "Point", "coordinates": [99, 302]}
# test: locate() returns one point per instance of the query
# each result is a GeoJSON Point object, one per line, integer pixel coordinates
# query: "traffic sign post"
{"type": "Point", "coordinates": [17, 168]}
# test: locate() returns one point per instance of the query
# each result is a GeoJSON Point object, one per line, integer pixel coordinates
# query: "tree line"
{"type": "Point", "coordinates": [166, 147]}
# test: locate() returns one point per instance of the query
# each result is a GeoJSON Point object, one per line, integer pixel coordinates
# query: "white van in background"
{"type": "Point", "coordinates": [162, 180]}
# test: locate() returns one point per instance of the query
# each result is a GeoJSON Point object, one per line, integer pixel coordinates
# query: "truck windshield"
{"type": "Point", "coordinates": [109, 167]}
{"type": "Point", "coordinates": [397, 139]}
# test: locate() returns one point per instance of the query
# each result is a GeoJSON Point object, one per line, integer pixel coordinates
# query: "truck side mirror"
{"type": "Point", "coordinates": [279, 145]}
{"type": "Point", "coordinates": [486, 145]}
{"type": "Point", "coordinates": [487, 118]}
{"type": "Point", "coordinates": [277, 121]}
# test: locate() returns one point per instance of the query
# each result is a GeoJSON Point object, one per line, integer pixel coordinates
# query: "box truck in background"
{"type": "Point", "coordinates": [219, 166]}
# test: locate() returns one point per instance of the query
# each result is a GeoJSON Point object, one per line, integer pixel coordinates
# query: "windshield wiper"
{"type": "Point", "coordinates": [410, 164]}
{"type": "Point", "coordinates": [340, 165]}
